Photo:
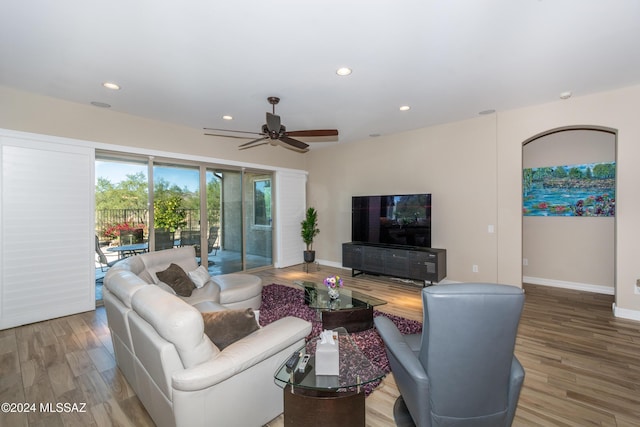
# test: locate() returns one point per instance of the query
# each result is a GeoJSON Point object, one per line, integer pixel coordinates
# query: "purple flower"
{"type": "Point", "coordinates": [333, 282]}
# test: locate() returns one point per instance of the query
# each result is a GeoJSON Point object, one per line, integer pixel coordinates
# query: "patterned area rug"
{"type": "Point", "coordinates": [279, 301]}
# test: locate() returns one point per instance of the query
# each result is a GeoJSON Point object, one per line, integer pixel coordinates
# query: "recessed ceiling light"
{"type": "Point", "coordinates": [111, 85]}
{"type": "Point", "coordinates": [485, 112]}
{"type": "Point", "coordinates": [344, 71]}
{"type": "Point", "coordinates": [227, 118]}
{"type": "Point", "coordinates": [405, 108]}
{"type": "Point", "coordinates": [565, 95]}
{"type": "Point", "coordinates": [100, 104]}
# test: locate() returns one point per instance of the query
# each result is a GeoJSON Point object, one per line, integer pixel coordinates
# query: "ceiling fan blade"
{"type": "Point", "coordinates": [235, 131]}
{"type": "Point", "coordinates": [294, 143]}
{"type": "Point", "coordinates": [273, 123]}
{"type": "Point", "coordinates": [316, 132]}
{"type": "Point", "coordinates": [251, 146]}
{"type": "Point", "coordinates": [230, 136]}
{"type": "Point", "coordinates": [246, 144]}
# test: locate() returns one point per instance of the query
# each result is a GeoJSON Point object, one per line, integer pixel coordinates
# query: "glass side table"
{"type": "Point", "coordinates": [337, 399]}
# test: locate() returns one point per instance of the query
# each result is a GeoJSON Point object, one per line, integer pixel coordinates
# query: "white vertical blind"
{"type": "Point", "coordinates": [290, 196]}
{"type": "Point", "coordinates": [46, 230]}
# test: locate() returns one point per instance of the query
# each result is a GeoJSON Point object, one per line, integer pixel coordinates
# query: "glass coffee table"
{"type": "Point", "coordinates": [353, 310]}
{"type": "Point", "coordinates": [338, 400]}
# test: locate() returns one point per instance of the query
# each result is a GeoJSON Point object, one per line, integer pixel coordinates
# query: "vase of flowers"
{"type": "Point", "coordinates": [333, 284]}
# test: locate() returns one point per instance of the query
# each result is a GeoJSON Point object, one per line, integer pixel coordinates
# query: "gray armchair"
{"type": "Point", "coordinates": [461, 371]}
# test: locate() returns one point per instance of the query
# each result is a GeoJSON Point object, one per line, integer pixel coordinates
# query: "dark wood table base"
{"type": "Point", "coordinates": [355, 319]}
{"type": "Point", "coordinates": [311, 408]}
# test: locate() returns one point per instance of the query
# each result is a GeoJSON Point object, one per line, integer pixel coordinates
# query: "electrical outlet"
{"type": "Point", "coordinates": [525, 261]}
{"type": "Point", "coordinates": [637, 286]}
{"type": "Point", "coordinates": [474, 268]}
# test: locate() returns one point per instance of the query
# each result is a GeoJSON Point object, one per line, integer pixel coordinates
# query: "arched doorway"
{"type": "Point", "coordinates": [564, 244]}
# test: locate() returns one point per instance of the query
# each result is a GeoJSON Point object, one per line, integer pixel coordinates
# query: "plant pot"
{"type": "Point", "coordinates": [309, 256]}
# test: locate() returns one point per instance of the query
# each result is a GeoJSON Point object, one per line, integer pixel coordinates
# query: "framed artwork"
{"type": "Point", "coordinates": [574, 190]}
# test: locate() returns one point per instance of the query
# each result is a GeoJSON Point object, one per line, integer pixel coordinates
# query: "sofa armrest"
{"type": "Point", "coordinates": [243, 354]}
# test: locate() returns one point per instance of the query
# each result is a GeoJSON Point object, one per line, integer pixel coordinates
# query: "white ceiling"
{"type": "Point", "coordinates": [193, 61]}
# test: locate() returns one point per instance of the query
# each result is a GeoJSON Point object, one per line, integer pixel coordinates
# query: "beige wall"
{"type": "Point", "coordinates": [573, 251]}
{"type": "Point", "coordinates": [456, 163]}
{"type": "Point", "coordinates": [616, 110]}
{"type": "Point", "coordinates": [474, 168]}
{"type": "Point", "coordinates": [28, 112]}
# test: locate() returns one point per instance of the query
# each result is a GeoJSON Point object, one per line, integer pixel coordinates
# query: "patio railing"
{"type": "Point", "coordinates": [106, 218]}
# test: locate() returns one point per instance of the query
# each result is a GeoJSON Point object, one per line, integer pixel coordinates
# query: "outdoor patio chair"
{"type": "Point", "coordinates": [213, 239]}
{"type": "Point", "coordinates": [191, 238]}
{"type": "Point", "coordinates": [102, 258]}
{"type": "Point", "coordinates": [164, 240]}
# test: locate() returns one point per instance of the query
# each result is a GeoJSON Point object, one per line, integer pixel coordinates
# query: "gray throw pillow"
{"type": "Point", "coordinates": [178, 279]}
{"type": "Point", "coordinates": [228, 326]}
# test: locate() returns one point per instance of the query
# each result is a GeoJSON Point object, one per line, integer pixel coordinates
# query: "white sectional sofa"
{"type": "Point", "coordinates": [180, 376]}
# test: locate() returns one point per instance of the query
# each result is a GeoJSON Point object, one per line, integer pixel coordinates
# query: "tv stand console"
{"type": "Point", "coordinates": [406, 262]}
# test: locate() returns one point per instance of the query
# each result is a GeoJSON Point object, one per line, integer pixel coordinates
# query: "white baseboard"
{"type": "Point", "coordinates": [330, 263]}
{"type": "Point", "coordinates": [599, 289]}
{"type": "Point", "coordinates": [625, 313]}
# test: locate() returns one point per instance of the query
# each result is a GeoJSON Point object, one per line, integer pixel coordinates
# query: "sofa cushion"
{"type": "Point", "coordinates": [239, 287]}
{"type": "Point", "coordinates": [209, 292]}
{"type": "Point", "coordinates": [206, 306]}
{"type": "Point", "coordinates": [178, 279]}
{"type": "Point", "coordinates": [175, 321]}
{"type": "Point", "coordinates": [228, 326]}
{"type": "Point", "coordinates": [166, 288]}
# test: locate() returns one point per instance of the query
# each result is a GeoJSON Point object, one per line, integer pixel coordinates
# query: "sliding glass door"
{"type": "Point", "coordinates": [225, 213]}
{"type": "Point", "coordinates": [121, 212]}
{"type": "Point", "coordinates": [229, 257]}
{"type": "Point", "coordinates": [239, 209]}
{"type": "Point", "coordinates": [176, 207]}
{"type": "Point", "coordinates": [258, 219]}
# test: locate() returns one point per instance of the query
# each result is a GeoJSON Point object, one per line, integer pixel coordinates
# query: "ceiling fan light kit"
{"type": "Point", "coordinates": [275, 133]}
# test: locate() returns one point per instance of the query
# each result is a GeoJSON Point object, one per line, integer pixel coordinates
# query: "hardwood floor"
{"type": "Point", "coordinates": [582, 364]}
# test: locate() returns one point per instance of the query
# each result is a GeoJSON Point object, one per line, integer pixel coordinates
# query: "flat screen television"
{"type": "Point", "coordinates": [402, 219]}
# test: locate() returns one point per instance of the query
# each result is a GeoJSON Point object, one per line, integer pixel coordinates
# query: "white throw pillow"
{"type": "Point", "coordinates": [199, 276]}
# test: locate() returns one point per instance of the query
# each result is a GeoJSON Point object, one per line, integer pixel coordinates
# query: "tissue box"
{"type": "Point", "coordinates": [327, 359]}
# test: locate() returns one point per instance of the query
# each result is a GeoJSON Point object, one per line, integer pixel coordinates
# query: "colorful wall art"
{"type": "Point", "coordinates": [575, 190]}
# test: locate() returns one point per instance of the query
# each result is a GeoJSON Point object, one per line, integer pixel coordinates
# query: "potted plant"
{"type": "Point", "coordinates": [309, 230]}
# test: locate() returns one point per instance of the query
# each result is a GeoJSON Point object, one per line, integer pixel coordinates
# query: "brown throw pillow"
{"type": "Point", "coordinates": [228, 326]}
{"type": "Point", "coordinates": [178, 279]}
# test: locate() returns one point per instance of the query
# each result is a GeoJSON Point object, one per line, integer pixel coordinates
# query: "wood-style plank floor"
{"type": "Point", "coordinates": [582, 364]}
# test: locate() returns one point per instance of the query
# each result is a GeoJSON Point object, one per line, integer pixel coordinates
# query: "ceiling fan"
{"type": "Point", "coordinates": [274, 133]}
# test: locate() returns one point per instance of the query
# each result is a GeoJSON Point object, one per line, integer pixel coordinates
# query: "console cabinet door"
{"type": "Point", "coordinates": [373, 259]}
{"type": "Point", "coordinates": [395, 263]}
{"type": "Point", "coordinates": [352, 256]}
{"type": "Point", "coordinates": [423, 265]}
